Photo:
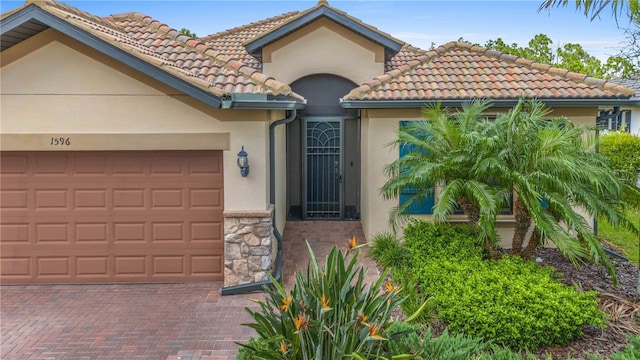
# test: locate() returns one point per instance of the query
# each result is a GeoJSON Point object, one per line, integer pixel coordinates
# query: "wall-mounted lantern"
{"type": "Point", "coordinates": [243, 162]}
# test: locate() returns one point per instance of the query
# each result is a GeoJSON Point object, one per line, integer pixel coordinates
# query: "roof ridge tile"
{"type": "Point", "coordinates": [199, 46]}
{"type": "Point", "coordinates": [554, 71]}
{"type": "Point", "coordinates": [248, 26]}
{"type": "Point", "coordinates": [381, 80]}
{"type": "Point", "coordinates": [74, 11]}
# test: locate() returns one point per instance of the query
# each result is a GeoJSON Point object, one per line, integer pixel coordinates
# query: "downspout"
{"type": "Point", "coordinates": [258, 286]}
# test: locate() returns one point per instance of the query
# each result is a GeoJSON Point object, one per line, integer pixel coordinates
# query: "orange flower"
{"type": "Point", "coordinates": [301, 322]}
{"type": "Point", "coordinates": [351, 244]}
{"type": "Point", "coordinates": [325, 303]}
{"type": "Point", "coordinates": [373, 332]}
{"type": "Point", "coordinates": [388, 287]}
{"type": "Point", "coordinates": [285, 303]}
{"type": "Point", "coordinates": [283, 347]}
{"type": "Point", "coordinates": [362, 318]}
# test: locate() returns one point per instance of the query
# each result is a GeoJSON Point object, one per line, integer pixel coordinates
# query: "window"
{"type": "Point", "coordinates": [620, 122]}
{"type": "Point", "coordinates": [424, 206]}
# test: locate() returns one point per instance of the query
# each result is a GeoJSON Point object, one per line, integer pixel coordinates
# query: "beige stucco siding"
{"type": "Point", "coordinates": [323, 47]}
{"type": "Point", "coordinates": [379, 128]}
{"type": "Point", "coordinates": [52, 86]}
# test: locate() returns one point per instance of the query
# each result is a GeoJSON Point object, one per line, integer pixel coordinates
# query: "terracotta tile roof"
{"type": "Point", "coordinates": [325, 4]}
{"type": "Point", "coordinates": [631, 83]}
{"type": "Point", "coordinates": [231, 42]}
{"type": "Point", "coordinates": [158, 44]}
{"type": "Point", "coordinates": [222, 71]}
{"type": "Point", "coordinates": [220, 63]}
{"type": "Point", "coordinates": [459, 71]}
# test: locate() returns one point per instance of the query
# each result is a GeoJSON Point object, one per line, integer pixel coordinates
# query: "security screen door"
{"type": "Point", "coordinates": [323, 168]}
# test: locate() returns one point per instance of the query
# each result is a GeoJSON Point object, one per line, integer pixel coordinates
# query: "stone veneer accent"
{"type": "Point", "coordinates": [249, 252]}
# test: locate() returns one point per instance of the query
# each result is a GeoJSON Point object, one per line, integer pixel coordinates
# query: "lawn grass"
{"type": "Point", "coordinates": [622, 240]}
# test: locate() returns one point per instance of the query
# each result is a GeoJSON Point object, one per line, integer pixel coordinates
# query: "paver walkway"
{"type": "Point", "coordinates": [187, 321]}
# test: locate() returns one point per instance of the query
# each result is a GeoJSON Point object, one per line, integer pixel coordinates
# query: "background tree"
{"type": "Point", "coordinates": [570, 56]}
{"type": "Point", "coordinates": [187, 32]}
{"type": "Point", "coordinates": [622, 10]}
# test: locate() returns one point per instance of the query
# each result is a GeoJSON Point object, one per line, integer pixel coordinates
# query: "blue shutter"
{"type": "Point", "coordinates": [424, 206]}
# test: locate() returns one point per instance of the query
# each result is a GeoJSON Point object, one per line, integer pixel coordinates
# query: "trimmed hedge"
{"type": "Point", "coordinates": [512, 302]}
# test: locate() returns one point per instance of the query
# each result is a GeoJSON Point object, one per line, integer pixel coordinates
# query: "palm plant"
{"type": "Point", "coordinates": [558, 179]}
{"type": "Point", "coordinates": [444, 149]}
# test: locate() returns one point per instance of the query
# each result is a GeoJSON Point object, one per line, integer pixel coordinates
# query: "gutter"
{"type": "Point", "coordinates": [417, 104]}
{"type": "Point", "coordinates": [258, 286]}
{"type": "Point", "coordinates": [259, 101]}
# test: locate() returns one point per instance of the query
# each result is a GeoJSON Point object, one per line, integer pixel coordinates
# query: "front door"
{"type": "Point", "coordinates": [323, 153]}
{"type": "Point", "coordinates": [323, 168]}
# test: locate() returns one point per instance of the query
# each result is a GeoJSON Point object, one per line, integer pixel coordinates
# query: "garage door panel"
{"type": "Point", "coordinates": [94, 233]}
{"type": "Point", "coordinates": [92, 267]}
{"type": "Point", "coordinates": [50, 164]}
{"type": "Point", "coordinates": [14, 199]}
{"type": "Point", "coordinates": [90, 199]}
{"type": "Point", "coordinates": [78, 217]}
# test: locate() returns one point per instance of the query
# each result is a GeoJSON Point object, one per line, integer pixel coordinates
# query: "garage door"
{"type": "Point", "coordinates": [125, 216]}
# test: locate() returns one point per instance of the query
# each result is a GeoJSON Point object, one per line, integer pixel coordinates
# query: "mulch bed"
{"type": "Point", "coordinates": [603, 342]}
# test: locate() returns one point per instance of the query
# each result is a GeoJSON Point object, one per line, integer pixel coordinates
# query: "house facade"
{"type": "Point", "coordinates": [624, 117]}
{"type": "Point", "coordinates": [120, 137]}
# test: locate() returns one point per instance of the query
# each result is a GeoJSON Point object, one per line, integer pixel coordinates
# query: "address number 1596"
{"type": "Point", "coordinates": [60, 141]}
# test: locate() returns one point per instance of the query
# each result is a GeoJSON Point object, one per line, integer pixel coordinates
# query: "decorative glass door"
{"type": "Point", "coordinates": [323, 175]}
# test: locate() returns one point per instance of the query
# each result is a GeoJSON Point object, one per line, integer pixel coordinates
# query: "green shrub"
{"type": "Point", "coordinates": [387, 251]}
{"type": "Point", "coordinates": [409, 339]}
{"type": "Point", "coordinates": [247, 352]}
{"type": "Point", "coordinates": [622, 151]}
{"type": "Point", "coordinates": [442, 240]}
{"type": "Point", "coordinates": [328, 314]}
{"type": "Point", "coordinates": [512, 302]}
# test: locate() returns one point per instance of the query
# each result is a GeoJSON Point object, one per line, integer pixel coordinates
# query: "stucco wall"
{"type": "Point", "coordinates": [52, 85]}
{"type": "Point", "coordinates": [635, 119]}
{"type": "Point", "coordinates": [379, 127]}
{"type": "Point", "coordinates": [323, 47]}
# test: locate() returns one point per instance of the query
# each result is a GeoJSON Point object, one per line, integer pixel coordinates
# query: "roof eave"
{"type": "Point", "coordinates": [33, 12]}
{"type": "Point", "coordinates": [391, 46]}
{"type": "Point", "coordinates": [416, 104]}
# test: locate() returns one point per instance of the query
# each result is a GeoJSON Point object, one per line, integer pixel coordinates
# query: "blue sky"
{"type": "Point", "coordinates": [416, 22]}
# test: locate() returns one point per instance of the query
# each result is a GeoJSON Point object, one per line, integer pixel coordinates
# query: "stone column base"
{"type": "Point", "coordinates": [248, 254]}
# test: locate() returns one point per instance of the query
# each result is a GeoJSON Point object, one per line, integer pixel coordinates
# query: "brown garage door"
{"type": "Point", "coordinates": [124, 216]}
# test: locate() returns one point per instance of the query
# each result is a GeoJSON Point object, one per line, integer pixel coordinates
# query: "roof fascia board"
{"type": "Point", "coordinates": [416, 104]}
{"type": "Point", "coordinates": [33, 12]}
{"type": "Point", "coordinates": [353, 25]}
{"type": "Point", "coordinates": [18, 18]}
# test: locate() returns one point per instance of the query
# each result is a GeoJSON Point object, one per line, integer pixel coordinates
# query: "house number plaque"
{"type": "Point", "coordinates": [60, 141]}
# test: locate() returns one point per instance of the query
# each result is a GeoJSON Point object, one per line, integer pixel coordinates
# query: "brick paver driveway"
{"type": "Point", "coordinates": [187, 321]}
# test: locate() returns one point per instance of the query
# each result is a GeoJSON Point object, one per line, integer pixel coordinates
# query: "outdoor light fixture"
{"type": "Point", "coordinates": [243, 162]}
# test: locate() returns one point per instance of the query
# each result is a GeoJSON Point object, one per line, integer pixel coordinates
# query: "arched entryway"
{"type": "Point", "coordinates": [323, 153]}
